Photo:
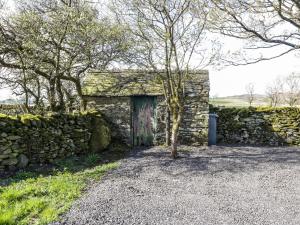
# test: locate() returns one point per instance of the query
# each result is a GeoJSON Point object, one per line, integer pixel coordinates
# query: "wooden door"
{"type": "Point", "coordinates": [143, 120]}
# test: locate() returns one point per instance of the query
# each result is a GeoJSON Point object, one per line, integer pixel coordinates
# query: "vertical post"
{"type": "Point", "coordinates": [132, 109]}
{"type": "Point", "coordinates": [212, 130]}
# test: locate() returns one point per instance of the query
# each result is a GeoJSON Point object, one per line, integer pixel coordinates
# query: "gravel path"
{"type": "Point", "coordinates": [218, 185]}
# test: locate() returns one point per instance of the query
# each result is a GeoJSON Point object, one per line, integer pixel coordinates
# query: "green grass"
{"type": "Point", "coordinates": [31, 198]}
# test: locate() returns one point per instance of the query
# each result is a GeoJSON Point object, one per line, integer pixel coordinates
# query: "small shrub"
{"type": "Point", "coordinates": [92, 159]}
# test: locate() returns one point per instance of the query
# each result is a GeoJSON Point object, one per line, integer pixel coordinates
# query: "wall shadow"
{"type": "Point", "coordinates": [73, 164]}
{"type": "Point", "coordinates": [210, 160]}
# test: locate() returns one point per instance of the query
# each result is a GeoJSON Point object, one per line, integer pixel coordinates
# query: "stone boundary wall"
{"type": "Point", "coordinates": [258, 126]}
{"type": "Point", "coordinates": [33, 139]}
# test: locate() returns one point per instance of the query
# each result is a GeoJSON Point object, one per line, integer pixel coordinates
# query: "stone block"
{"type": "Point", "coordinates": [23, 161]}
{"type": "Point", "coordinates": [13, 138]}
{"type": "Point", "coordinates": [10, 162]}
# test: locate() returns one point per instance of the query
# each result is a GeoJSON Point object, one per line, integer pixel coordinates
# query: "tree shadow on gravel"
{"type": "Point", "coordinates": [209, 160]}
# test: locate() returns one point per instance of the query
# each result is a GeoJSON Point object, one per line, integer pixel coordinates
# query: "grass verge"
{"type": "Point", "coordinates": [39, 198]}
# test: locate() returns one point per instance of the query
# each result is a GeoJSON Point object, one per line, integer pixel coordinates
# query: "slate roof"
{"type": "Point", "coordinates": [131, 83]}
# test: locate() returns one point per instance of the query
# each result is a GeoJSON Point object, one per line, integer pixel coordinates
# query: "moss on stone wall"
{"type": "Point", "coordinates": [136, 82]}
{"type": "Point", "coordinates": [258, 126]}
{"type": "Point", "coordinates": [41, 139]}
{"type": "Point", "coordinates": [101, 135]}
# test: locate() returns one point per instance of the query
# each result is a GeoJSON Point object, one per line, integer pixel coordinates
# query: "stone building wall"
{"type": "Point", "coordinates": [194, 129]}
{"type": "Point", "coordinates": [160, 135]}
{"type": "Point", "coordinates": [31, 139]}
{"type": "Point", "coordinates": [110, 92]}
{"type": "Point", "coordinates": [117, 111]}
{"type": "Point", "coordinates": [258, 126]}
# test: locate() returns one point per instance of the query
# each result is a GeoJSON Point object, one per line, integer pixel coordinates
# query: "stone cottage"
{"type": "Point", "coordinates": [133, 102]}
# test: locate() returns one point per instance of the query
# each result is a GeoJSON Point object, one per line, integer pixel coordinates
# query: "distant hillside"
{"type": "Point", "coordinates": [239, 101]}
{"type": "Point", "coordinates": [245, 96]}
{"type": "Point", "coordinates": [10, 101]}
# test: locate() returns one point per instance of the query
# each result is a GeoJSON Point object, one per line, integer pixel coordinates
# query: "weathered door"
{"type": "Point", "coordinates": [143, 120]}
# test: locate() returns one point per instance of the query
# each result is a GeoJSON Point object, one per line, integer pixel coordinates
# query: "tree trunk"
{"type": "Point", "coordinates": [61, 105]}
{"type": "Point", "coordinates": [83, 103]}
{"type": "Point", "coordinates": [26, 104]}
{"type": "Point", "coordinates": [38, 96]}
{"type": "Point", "coordinates": [52, 101]}
{"type": "Point", "coordinates": [175, 131]}
{"type": "Point", "coordinates": [168, 127]}
{"type": "Point", "coordinates": [174, 139]}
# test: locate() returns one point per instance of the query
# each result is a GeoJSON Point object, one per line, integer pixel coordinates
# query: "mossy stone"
{"type": "Point", "coordinates": [10, 162]}
{"type": "Point", "coordinates": [41, 138]}
{"type": "Point", "coordinates": [101, 135]}
{"type": "Point", "coordinates": [265, 125]}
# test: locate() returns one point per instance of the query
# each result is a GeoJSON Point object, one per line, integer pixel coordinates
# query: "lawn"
{"type": "Point", "coordinates": [35, 197]}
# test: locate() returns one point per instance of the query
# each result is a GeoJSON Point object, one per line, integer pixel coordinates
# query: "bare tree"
{"type": "Point", "coordinates": [292, 89]}
{"type": "Point", "coordinates": [274, 92]}
{"type": "Point", "coordinates": [265, 24]}
{"type": "Point", "coordinates": [250, 93]}
{"type": "Point", "coordinates": [56, 43]}
{"type": "Point", "coordinates": [168, 34]}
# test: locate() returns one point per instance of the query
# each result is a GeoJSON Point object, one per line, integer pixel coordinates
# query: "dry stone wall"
{"type": "Point", "coordinates": [32, 139]}
{"type": "Point", "coordinates": [258, 126]}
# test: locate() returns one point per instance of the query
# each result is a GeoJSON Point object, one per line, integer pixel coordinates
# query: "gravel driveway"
{"type": "Point", "coordinates": [218, 185]}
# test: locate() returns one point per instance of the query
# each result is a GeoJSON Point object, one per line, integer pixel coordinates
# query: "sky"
{"type": "Point", "coordinates": [232, 80]}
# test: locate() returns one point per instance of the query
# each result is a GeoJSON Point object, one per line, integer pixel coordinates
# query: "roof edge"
{"type": "Point", "coordinates": [132, 71]}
